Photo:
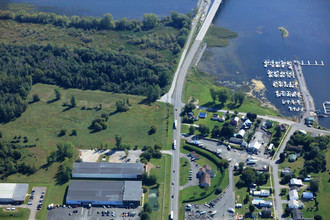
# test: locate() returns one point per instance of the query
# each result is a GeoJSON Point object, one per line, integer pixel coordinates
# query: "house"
{"type": "Point", "coordinates": [261, 193]}
{"type": "Point", "coordinates": [309, 121]}
{"type": "Point", "coordinates": [205, 169]}
{"type": "Point", "coordinates": [222, 119]}
{"type": "Point", "coordinates": [205, 180]}
{"type": "Point", "coordinates": [262, 203]}
{"type": "Point", "coordinates": [295, 204]}
{"type": "Point", "coordinates": [241, 133]}
{"type": "Point", "coordinates": [292, 157]}
{"type": "Point", "coordinates": [215, 117]}
{"type": "Point", "coordinates": [244, 144]}
{"type": "Point", "coordinates": [247, 123]}
{"type": "Point", "coordinates": [295, 182]}
{"type": "Point", "coordinates": [307, 196]}
{"type": "Point", "coordinates": [254, 146]}
{"type": "Point", "coordinates": [190, 114]}
{"type": "Point", "coordinates": [194, 155]}
{"type": "Point", "coordinates": [293, 195]}
{"type": "Point", "coordinates": [235, 121]}
{"type": "Point", "coordinates": [202, 115]}
{"type": "Point", "coordinates": [266, 213]}
{"type": "Point", "coordinates": [235, 140]}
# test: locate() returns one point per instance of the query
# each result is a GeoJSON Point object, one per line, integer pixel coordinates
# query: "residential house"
{"type": "Point", "coordinates": [292, 157]}
{"type": "Point", "coordinates": [215, 117]}
{"type": "Point", "coordinates": [205, 180]}
{"type": "Point", "coordinates": [293, 195]}
{"type": "Point", "coordinates": [205, 169]}
{"type": "Point", "coordinates": [286, 173]}
{"type": "Point", "coordinates": [269, 124]}
{"type": "Point", "coordinates": [307, 196]}
{"type": "Point", "coordinates": [295, 204]}
{"type": "Point", "coordinates": [235, 121]}
{"type": "Point", "coordinates": [261, 193]}
{"type": "Point", "coordinates": [241, 133]}
{"type": "Point", "coordinates": [244, 144]}
{"type": "Point", "coordinates": [222, 119]}
{"type": "Point", "coordinates": [296, 182]}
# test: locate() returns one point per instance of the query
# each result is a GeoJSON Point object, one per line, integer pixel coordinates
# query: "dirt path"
{"type": "Point", "coordinates": [149, 167]}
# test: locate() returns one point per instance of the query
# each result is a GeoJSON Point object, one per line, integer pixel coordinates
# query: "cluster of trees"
{"type": "Point", "coordinates": [122, 106]}
{"type": "Point", "coordinates": [145, 213]}
{"type": "Point", "coordinates": [250, 175]}
{"type": "Point", "coordinates": [277, 136]}
{"type": "Point", "coordinates": [73, 68]}
{"type": "Point", "coordinates": [226, 131]}
{"type": "Point", "coordinates": [223, 94]}
{"type": "Point", "coordinates": [148, 180]}
{"type": "Point", "coordinates": [10, 160]}
{"type": "Point", "coordinates": [100, 123]}
{"type": "Point", "coordinates": [313, 151]}
{"type": "Point", "coordinates": [150, 152]}
{"type": "Point", "coordinates": [105, 23]}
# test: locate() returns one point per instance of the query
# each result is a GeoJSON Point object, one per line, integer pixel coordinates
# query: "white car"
{"type": "Point", "coordinates": [231, 210]}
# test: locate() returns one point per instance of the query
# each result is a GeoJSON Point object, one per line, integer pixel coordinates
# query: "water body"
{"type": "Point", "coordinates": [257, 23]}
{"type": "Point", "coordinates": [132, 9]}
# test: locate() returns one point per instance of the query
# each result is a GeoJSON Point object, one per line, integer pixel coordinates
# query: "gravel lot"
{"type": "Point", "coordinates": [115, 156]}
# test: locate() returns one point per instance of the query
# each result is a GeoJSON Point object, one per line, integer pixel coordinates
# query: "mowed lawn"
{"type": "Point", "coordinates": [18, 214]}
{"type": "Point", "coordinates": [42, 121]}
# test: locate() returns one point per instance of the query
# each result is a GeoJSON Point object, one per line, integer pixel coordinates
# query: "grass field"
{"type": "Point", "coordinates": [184, 171]}
{"type": "Point", "coordinates": [197, 88]}
{"type": "Point", "coordinates": [18, 214]}
{"type": "Point", "coordinates": [163, 178]}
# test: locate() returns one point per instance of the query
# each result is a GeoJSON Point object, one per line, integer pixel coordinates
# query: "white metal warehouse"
{"type": "Point", "coordinates": [13, 192]}
{"type": "Point", "coordinates": [97, 193]}
{"type": "Point", "coordinates": [107, 170]}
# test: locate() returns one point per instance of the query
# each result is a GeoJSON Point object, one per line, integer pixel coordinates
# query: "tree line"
{"type": "Point", "coordinates": [83, 68]}
{"type": "Point", "coordinates": [107, 22]}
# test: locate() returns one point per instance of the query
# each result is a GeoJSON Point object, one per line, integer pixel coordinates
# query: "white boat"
{"type": "Point", "coordinates": [283, 101]}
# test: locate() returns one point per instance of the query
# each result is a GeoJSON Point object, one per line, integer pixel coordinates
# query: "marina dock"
{"type": "Point", "coordinates": [308, 63]}
{"type": "Point", "coordinates": [326, 107]}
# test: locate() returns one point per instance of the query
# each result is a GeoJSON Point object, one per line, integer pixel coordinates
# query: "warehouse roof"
{"type": "Point", "coordinates": [108, 168]}
{"type": "Point", "coordinates": [16, 192]}
{"type": "Point", "coordinates": [80, 190]}
{"type": "Point", "coordinates": [133, 191]}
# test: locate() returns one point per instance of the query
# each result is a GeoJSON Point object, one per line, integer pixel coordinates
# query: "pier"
{"type": "Point", "coordinates": [326, 107]}
{"type": "Point", "coordinates": [311, 64]}
{"type": "Point", "coordinates": [308, 101]}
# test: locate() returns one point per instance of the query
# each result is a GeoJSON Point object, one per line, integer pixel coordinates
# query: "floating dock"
{"type": "Point", "coordinates": [326, 107]}
{"type": "Point", "coordinates": [311, 64]}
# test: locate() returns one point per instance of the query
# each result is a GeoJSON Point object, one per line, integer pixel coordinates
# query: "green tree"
{"type": "Point", "coordinates": [149, 21]}
{"type": "Point", "coordinates": [36, 98]}
{"type": "Point", "coordinates": [252, 208]}
{"type": "Point", "coordinates": [248, 176]}
{"type": "Point", "coordinates": [107, 22]}
{"type": "Point", "coordinates": [240, 167]}
{"type": "Point", "coordinates": [227, 130]}
{"type": "Point", "coordinates": [126, 153]}
{"type": "Point", "coordinates": [147, 207]}
{"type": "Point", "coordinates": [74, 132]}
{"type": "Point", "coordinates": [145, 215]}
{"type": "Point", "coordinates": [314, 185]}
{"type": "Point", "coordinates": [58, 94]}
{"type": "Point", "coordinates": [239, 97]}
{"type": "Point", "coordinates": [203, 129]}
{"type": "Point", "coordinates": [118, 141]}
{"type": "Point", "coordinates": [153, 93]}
{"type": "Point", "coordinates": [153, 129]}
{"type": "Point", "coordinates": [192, 130]}
{"type": "Point", "coordinates": [213, 94]}
{"type": "Point", "coordinates": [65, 171]}
{"type": "Point", "coordinates": [189, 107]}
{"type": "Point", "coordinates": [73, 101]}
{"type": "Point", "coordinates": [223, 94]}
{"type": "Point", "coordinates": [121, 106]}
{"type": "Point", "coordinates": [64, 150]}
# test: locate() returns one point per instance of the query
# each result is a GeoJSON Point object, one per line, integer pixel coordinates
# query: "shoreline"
{"type": "Point", "coordinates": [285, 32]}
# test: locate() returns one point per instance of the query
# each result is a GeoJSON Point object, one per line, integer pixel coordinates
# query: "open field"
{"type": "Point", "coordinates": [42, 121]}
{"type": "Point", "coordinates": [18, 214]}
{"type": "Point", "coordinates": [197, 89]}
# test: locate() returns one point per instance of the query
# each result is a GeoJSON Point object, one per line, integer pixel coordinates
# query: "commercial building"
{"type": "Point", "coordinates": [254, 146]}
{"type": "Point", "coordinates": [98, 193]}
{"type": "Point", "coordinates": [13, 192]}
{"type": "Point", "coordinates": [107, 170]}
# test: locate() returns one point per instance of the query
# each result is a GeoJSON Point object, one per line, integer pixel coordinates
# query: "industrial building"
{"type": "Point", "coordinates": [98, 193]}
{"type": "Point", "coordinates": [107, 170]}
{"type": "Point", "coordinates": [13, 192]}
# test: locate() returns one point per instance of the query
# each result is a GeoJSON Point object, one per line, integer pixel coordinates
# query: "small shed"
{"type": "Point", "coordinates": [202, 115]}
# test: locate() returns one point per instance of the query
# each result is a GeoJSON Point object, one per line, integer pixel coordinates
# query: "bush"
{"type": "Point", "coordinates": [36, 98]}
{"type": "Point", "coordinates": [62, 133]}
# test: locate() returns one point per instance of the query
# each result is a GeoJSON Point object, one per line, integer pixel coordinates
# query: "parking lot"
{"type": "Point", "coordinates": [94, 213]}
{"type": "Point", "coordinates": [36, 200]}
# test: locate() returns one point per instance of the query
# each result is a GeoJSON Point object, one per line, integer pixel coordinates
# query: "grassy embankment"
{"type": "Point", "coordinates": [163, 178]}
{"type": "Point", "coordinates": [196, 194]}
{"type": "Point", "coordinates": [219, 36]}
{"type": "Point", "coordinates": [198, 85]}
{"type": "Point", "coordinates": [43, 120]}
{"type": "Point", "coordinates": [184, 171]}
{"type": "Point", "coordinates": [18, 214]}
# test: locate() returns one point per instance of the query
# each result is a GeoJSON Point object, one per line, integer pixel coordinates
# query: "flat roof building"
{"type": "Point", "coordinates": [114, 193]}
{"type": "Point", "coordinates": [13, 192]}
{"type": "Point", "coordinates": [107, 170]}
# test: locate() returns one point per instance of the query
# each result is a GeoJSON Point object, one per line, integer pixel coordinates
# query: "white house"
{"type": "Point", "coordinates": [293, 195]}
{"type": "Point", "coordinates": [254, 146]}
{"type": "Point", "coordinates": [241, 133]}
{"type": "Point", "coordinates": [295, 182]}
{"type": "Point", "coordinates": [295, 204]}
